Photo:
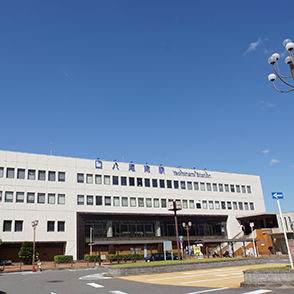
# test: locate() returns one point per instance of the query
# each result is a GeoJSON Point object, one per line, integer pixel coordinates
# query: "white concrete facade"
{"type": "Point", "coordinates": [74, 185]}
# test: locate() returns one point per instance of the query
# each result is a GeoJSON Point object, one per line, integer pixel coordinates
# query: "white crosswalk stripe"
{"type": "Point", "coordinates": [117, 292]}
{"type": "Point", "coordinates": [95, 285]}
{"type": "Point", "coordinates": [209, 290]}
{"type": "Point", "coordinates": [260, 291]}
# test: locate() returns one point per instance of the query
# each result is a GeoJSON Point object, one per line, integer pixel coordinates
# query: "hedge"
{"type": "Point", "coordinates": [91, 258]}
{"type": "Point", "coordinates": [125, 256]}
{"type": "Point", "coordinates": [63, 258]}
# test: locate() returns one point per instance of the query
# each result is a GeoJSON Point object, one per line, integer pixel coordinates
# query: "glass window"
{"type": "Point", "coordinates": [41, 198]}
{"type": "Point", "coordinates": [204, 204]}
{"type": "Point", "coordinates": [248, 189]}
{"type": "Point", "coordinates": [141, 202]}
{"type": "Point", "coordinates": [124, 201]}
{"type": "Point", "coordinates": [169, 184]}
{"type": "Point", "coordinates": [238, 189]}
{"type": "Point", "coordinates": [147, 182]}
{"type": "Point", "coordinates": [163, 203]}
{"type": "Point", "coordinates": [98, 179]}
{"type": "Point", "coordinates": [51, 198]}
{"type": "Point", "coordinates": [8, 196]}
{"type": "Point", "coordinates": [176, 184]}
{"type": "Point", "coordinates": [191, 204]}
{"type": "Point", "coordinates": [227, 188]}
{"type": "Point", "coordinates": [115, 201]}
{"type": "Point", "coordinates": [183, 185]}
{"type": "Point", "coordinates": [235, 206]}
{"type": "Point", "coordinates": [198, 205]}
{"type": "Point", "coordinates": [61, 176]}
{"type": "Point", "coordinates": [131, 181]}
{"type": "Point", "coordinates": [50, 226]}
{"type": "Point", "coordinates": [229, 205]}
{"type": "Point", "coordinates": [19, 197]}
{"type": "Point", "coordinates": [148, 202]}
{"type": "Point", "coordinates": [89, 179]}
{"type": "Point", "coordinates": [221, 187]}
{"type": "Point", "coordinates": [61, 199]}
{"type": "Point", "coordinates": [51, 176]}
{"type": "Point", "coordinates": [232, 188]}
{"type": "Point", "coordinates": [90, 200]}
{"type": "Point", "coordinates": [31, 174]}
{"type": "Point", "coordinates": [114, 180]}
{"type": "Point", "coordinates": [223, 204]}
{"type": "Point", "coordinates": [208, 186]}
{"type": "Point", "coordinates": [217, 206]}
{"type": "Point", "coordinates": [18, 226]}
{"type": "Point", "coordinates": [161, 184]}
{"type": "Point", "coordinates": [211, 206]}
{"type": "Point", "coordinates": [156, 202]}
{"type": "Point", "coordinates": [30, 197]}
{"type": "Point", "coordinates": [7, 226]}
{"type": "Point", "coordinates": [243, 189]}
{"type": "Point", "coordinates": [246, 206]}
{"type": "Point", "coordinates": [60, 226]}
{"type": "Point", "coordinates": [106, 180]}
{"type": "Point", "coordinates": [10, 173]}
{"type": "Point", "coordinates": [133, 202]}
{"type": "Point", "coordinates": [80, 178]}
{"type": "Point", "coordinates": [0, 195]}
{"type": "Point", "coordinates": [189, 185]}
{"type": "Point", "coordinates": [1, 172]}
{"type": "Point", "coordinates": [202, 186]}
{"type": "Point", "coordinates": [123, 181]}
{"type": "Point", "coordinates": [154, 183]}
{"type": "Point", "coordinates": [80, 199]}
{"type": "Point", "coordinates": [99, 200]}
{"type": "Point", "coordinates": [41, 175]}
{"type": "Point", "coordinates": [21, 173]}
{"type": "Point", "coordinates": [107, 200]}
{"type": "Point", "coordinates": [139, 182]}
{"type": "Point", "coordinates": [214, 187]}
{"type": "Point", "coordinates": [196, 186]}
{"type": "Point", "coordinates": [185, 204]}
{"type": "Point", "coordinates": [240, 205]}
{"type": "Point", "coordinates": [251, 206]}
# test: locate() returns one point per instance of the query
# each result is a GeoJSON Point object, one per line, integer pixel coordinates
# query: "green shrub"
{"type": "Point", "coordinates": [125, 256]}
{"type": "Point", "coordinates": [26, 252]}
{"type": "Point", "coordinates": [91, 258]}
{"type": "Point", "coordinates": [63, 258]}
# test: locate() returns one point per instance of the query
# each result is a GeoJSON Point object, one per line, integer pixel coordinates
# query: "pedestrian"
{"type": "Point", "coordinates": [39, 264]}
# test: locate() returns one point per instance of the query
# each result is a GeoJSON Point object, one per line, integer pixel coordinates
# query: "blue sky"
{"type": "Point", "coordinates": [178, 83]}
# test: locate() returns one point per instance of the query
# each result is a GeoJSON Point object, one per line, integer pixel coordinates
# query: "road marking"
{"type": "Point", "coordinates": [210, 290]}
{"type": "Point", "coordinates": [117, 292]}
{"type": "Point", "coordinates": [100, 276]}
{"type": "Point", "coordinates": [261, 291]}
{"type": "Point", "coordinates": [95, 285]}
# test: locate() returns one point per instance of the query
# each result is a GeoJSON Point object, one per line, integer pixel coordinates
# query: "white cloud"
{"type": "Point", "coordinates": [253, 46]}
{"type": "Point", "coordinates": [273, 161]}
{"type": "Point", "coordinates": [265, 151]}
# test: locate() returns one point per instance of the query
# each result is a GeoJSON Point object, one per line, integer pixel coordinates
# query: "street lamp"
{"type": "Point", "coordinates": [34, 225]}
{"type": "Point", "coordinates": [273, 60]}
{"type": "Point", "coordinates": [253, 241]}
{"type": "Point", "coordinates": [187, 227]}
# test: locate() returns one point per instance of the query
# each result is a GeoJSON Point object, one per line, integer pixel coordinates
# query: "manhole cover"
{"type": "Point", "coordinates": [55, 281]}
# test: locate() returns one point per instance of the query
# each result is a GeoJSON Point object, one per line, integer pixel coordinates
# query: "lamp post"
{"type": "Point", "coordinates": [34, 225]}
{"type": "Point", "coordinates": [253, 241]}
{"type": "Point", "coordinates": [187, 227]}
{"type": "Point", "coordinates": [91, 239]}
{"type": "Point", "coordinates": [273, 60]}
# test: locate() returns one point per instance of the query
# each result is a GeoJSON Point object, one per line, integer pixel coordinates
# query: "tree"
{"type": "Point", "coordinates": [26, 252]}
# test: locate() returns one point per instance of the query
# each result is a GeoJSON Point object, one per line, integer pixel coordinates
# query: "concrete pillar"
{"type": "Point", "coordinates": [109, 229]}
{"type": "Point", "coordinates": [157, 229]}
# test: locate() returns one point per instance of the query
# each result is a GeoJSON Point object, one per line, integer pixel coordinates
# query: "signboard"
{"type": "Point", "coordinates": [277, 195]}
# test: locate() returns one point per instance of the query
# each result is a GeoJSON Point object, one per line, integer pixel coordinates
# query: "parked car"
{"type": "Point", "coordinates": [5, 262]}
{"type": "Point", "coordinates": [159, 256]}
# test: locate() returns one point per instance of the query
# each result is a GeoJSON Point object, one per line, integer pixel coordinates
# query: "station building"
{"type": "Point", "coordinates": [80, 200]}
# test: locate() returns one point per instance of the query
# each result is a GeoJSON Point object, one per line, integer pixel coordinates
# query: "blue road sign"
{"type": "Point", "coordinates": [181, 237]}
{"type": "Point", "coordinates": [277, 195]}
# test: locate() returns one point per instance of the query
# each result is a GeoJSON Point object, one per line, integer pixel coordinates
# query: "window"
{"type": "Point", "coordinates": [169, 184]}
{"type": "Point", "coordinates": [204, 204]}
{"type": "Point", "coordinates": [41, 198]}
{"type": "Point", "coordinates": [51, 198]}
{"type": "Point", "coordinates": [227, 188]}
{"type": "Point", "coordinates": [31, 174]}
{"type": "Point", "coordinates": [243, 189]}
{"type": "Point", "coordinates": [18, 226]}
{"type": "Point", "coordinates": [10, 173]}
{"type": "Point", "coordinates": [7, 226]}
{"type": "Point", "coordinates": [133, 202]}
{"type": "Point", "coordinates": [0, 195]}
{"type": "Point", "coordinates": [8, 196]}
{"type": "Point", "coordinates": [80, 199]}
{"type": "Point", "coordinates": [191, 204]}
{"type": "Point", "coordinates": [198, 205]}
{"type": "Point", "coordinates": [107, 201]}
{"type": "Point", "coordinates": [235, 206]}
{"type": "Point", "coordinates": [189, 185]}
{"type": "Point", "coordinates": [90, 200]}
{"type": "Point", "coordinates": [106, 180]}
{"type": "Point", "coordinates": [89, 179]}
{"type": "Point", "coordinates": [161, 184]}
{"type": "Point", "coordinates": [210, 203]}
{"type": "Point", "coordinates": [252, 206]}
{"type": "Point", "coordinates": [61, 199]}
{"type": "Point", "coordinates": [148, 202]}
{"type": "Point", "coordinates": [248, 189]}
{"type": "Point", "coordinates": [229, 205]}
{"type": "Point", "coordinates": [1, 172]}
{"type": "Point", "coordinates": [51, 176]}
{"type": "Point", "coordinates": [99, 200]}
{"type": "Point", "coordinates": [163, 203]}
{"type": "Point", "coordinates": [238, 189]}
{"type": "Point", "coordinates": [131, 181]}
{"type": "Point", "coordinates": [154, 183]}
{"type": "Point", "coordinates": [246, 206]}
{"type": "Point", "coordinates": [60, 226]}
{"type": "Point", "coordinates": [123, 181]}
{"type": "Point", "coordinates": [185, 204]}
{"type": "Point", "coordinates": [147, 182]}
{"type": "Point", "coordinates": [208, 186]}
{"type": "Point", "coordinates": [30, 197]}
{"type": "Point", "coordinates": [156, 202]}
{"type": "Point", "coordinates": [19, 197]}
{"type": "Point", "coordinates": [115, 201]}
{"type": "Point", "coordinates": [223, 204]}
{"type": "Point", "coordinates": [176, 184]}
{"type": "Point", "coordinates": [115, 180]}
{"type": "Point", "coordinates": [141, 202]}
{"type": "Point", "coordinates": [232, 188]}
{"type": "Point", "coordinates": [183, 185]}
{"type": "Point", "coordinates": [80, 178]}
{"type": "Point", "coordinates": [240, 206]}
{"type": "Point", "coordinates": [217, 206]}
{"type": "Point", "coordinates": [196, 186]}
{"type": "Point", "coordinates": [61, 176]}
{"type": "Point", "coordinates": [98, 179]}
{"type": "Point", "coordinates": [21, 173]}
{"type": "Point", "coordinates": [41, 175]}
{"type": "Point", "coordinates": [124, 201]}
{"type": "Point", "coordinates": [221, 187]}
{"type": "Point", "coordinates": [50, 226]}
{"type": "Point", "coordinates": [139, 182]}
{"type": "Point", "coordinates": [214, 187]}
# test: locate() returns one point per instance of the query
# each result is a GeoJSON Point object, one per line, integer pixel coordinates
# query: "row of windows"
{"type": "Point", "coordinates": [161, 183]}
{"type": "Point", "coordinates": [157, 203]}
{"type": "Point", "coordinates": [18, 226]}
{"type": "Point", "coordinates": [21, 197]}
{"type": "Point", "coordinates": [32, 174]}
